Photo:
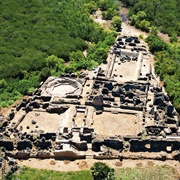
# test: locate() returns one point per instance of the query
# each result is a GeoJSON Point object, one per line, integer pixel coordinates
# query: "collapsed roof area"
{"type": "Point", "coordinates": [118, 107]}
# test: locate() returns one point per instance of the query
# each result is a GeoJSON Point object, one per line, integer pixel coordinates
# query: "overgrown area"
{"type": "Point", "coordinates": [38, 37]}
{"type": "Point", "coordinates": [102, 173]}
{"type": "Point", "coordinates": [167, 66]}
{"type": "Point", "coordinates": [164, 14]}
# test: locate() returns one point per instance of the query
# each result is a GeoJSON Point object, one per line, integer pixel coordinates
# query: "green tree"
{"type": "Point", "coordinates": [76, 56]}
{"type": "Point", "coordinates": [91, 7]}
{"type": "Point", "coordinates": [9, 176]}
{"type": "Point", "coordinates": [45, 73]}
{"type": "Point", "coordinates": [3, 83]}
{"type": "Point", "coordinates": [141, 15]}
{"type": "Point", "coordinates": [134, 19]}
{"type": "Point", "coordinates": [100, 171]}
{"type": "Point", "coordinates": [53, 61]}
{"type": "Point", "coordinates": [110, 13]}
{"type": "Point", "coordinates": [139, 21]}
{"type": "Point", "coordinates": [154, 30]}
{"type": "Point", "coordinates": [155, 43]}
{"type": "Point", "coordinates": [46, 32]}
{"type": "Point", "coordinates": [144, 25]}
{"type": "Point", "coordinates": [116, 22]}
{"type": "Point", "coordinates": [173, 38]}
{"type": "Point", "coordinates": [167, 66]}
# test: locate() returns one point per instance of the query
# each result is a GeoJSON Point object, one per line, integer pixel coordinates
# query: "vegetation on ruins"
{"type": "Point", "coordinates": [167, 66]}
{"type": "Point", "coordinates": [164, 14]}
{"type": "Point", "coordinates": [37, 37]}
{"type": "Point", "coordinates": [150, 172]}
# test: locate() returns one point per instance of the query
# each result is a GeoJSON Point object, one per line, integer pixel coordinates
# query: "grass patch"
{"type": "Point", "coordinates": [146, 173]}
{"type": "Point", "coordinates": [27, 173]}
{"type": "Point", "coordinates": [150, 172]}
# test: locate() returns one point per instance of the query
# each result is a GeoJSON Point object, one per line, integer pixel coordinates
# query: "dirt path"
{"type": "Point", "coordinates": [129, 30]}
{"type": "Point", "coordinates": [86, 164]}
{"type": "Point", "coordinates": [99, 19]}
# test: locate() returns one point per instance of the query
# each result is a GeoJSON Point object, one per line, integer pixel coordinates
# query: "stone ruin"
{"type": "Point", "coordinates": [117, 108]}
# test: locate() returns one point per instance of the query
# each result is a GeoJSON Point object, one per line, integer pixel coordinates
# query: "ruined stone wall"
{"type": "Point", "coordinates": [114, 143]}
{"type": "Point", "coordinates": [7, 144]}
{"type": "Point", "coordinates": [67, 154]}
{"type": "Point", "coordinates": [24, 144]}
{"type": "Point", "coordinates": [153, 145]}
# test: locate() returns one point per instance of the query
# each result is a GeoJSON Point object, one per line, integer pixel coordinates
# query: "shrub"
{"type": "Point", "coordinates": [101, 171]}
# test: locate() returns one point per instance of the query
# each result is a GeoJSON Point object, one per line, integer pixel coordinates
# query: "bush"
{"type": "Point", "coordinates": [116, 22]}
{"type": "Point", "coordinates": [3, 83]}
{"type": "Point", "coordinates": [139, 21]}
{"type": "Point", "coordinates": [45, 73]}
{"type": "Point", "coordinates": [101, 171]}
{"type": "Point", "coordinates": [155, 43]}
{"type": "Point", "coordinates": [173, 38]}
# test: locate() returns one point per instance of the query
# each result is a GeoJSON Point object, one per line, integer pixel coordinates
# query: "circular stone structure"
{"type": "Point", "coordinates": [61, 87]}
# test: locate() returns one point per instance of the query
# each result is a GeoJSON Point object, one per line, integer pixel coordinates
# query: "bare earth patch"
{"type": "Point", "coordinates": [88, 163]}
{"type": "Point", "coordinates": [45, 121]}
{"type": "Point", "coordinates": [98, 19]}
{"type": "Point", "coordinates": [83, 165]}
{"type": "Point", "coordinates": [111, 124]}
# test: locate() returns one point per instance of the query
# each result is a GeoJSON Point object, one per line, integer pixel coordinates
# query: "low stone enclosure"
{"type": "Point", "coordinates": [115, 110]}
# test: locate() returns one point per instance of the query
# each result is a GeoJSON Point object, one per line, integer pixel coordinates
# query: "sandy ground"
{"type": "Point", "coordinates": [44, 121]}
{"type": "Point", "coordinates": [112, 124]}
{"type": "Point", "coordinates": [129, 30]}
{"type": "Point", "coordinates": [58, 165]}
{"type": "Point", "coordinates": [98, 18]}
{"type": "Point", "coordinates": [120, 71]}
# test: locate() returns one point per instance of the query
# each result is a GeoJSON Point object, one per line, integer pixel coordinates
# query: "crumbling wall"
{"type": "Point", "coordinates": [86, 137]}
{"type": "Point", "coordinates": [24, 144]}
{"type": "Point", "coordinates": [67, 154]}
{"type": "Point", "coordinates": [153, 145]}
{"type": "Point", "coordinates": [48, 136]}
{"type": "Point", "coordinates": [43, 144]}
{"type": "Point", "coordinates": [113, 143]}
{"type": "Point", "coordinates": [7, 144]}
{"type": "Point", "coordinates": [96, 145]}
{"type": "Point", "coordinates": [81, 146]}
{"type": "Point", "coordinates": [101, 157]}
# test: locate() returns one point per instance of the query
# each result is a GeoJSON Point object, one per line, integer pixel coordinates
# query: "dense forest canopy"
{"type": "Point", "coordinates": [32, 30]}
{"type": "Point", "coordinates": [37, 37]}
{"type": "Point", "coordinates": [164, 14]}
